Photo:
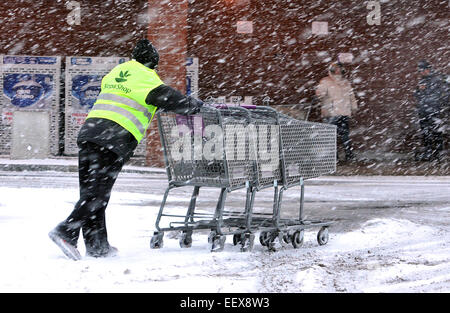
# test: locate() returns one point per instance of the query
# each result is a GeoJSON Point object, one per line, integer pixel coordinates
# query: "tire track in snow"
{"type": "Point", "coordinates": [408, 262]}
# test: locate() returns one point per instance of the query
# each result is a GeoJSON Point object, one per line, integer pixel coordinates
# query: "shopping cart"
{"type": "Point", "coordinates": [196, 155]}
{"type": "Point", "coordinates": [259, 148]}
{"type": "Point", "coordinates": [306, 150]}
{"type": "Point", "coordinates": [267, 169]}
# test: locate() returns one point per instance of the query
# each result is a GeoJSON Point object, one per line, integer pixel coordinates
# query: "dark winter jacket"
{"type": "Point", "coordinates": [434, 97]}
{"type": "Point", "coordinates": [114, 137]}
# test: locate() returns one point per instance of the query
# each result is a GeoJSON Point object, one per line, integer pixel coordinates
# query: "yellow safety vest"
{"type": "Point", "coordinates": [122, 97]}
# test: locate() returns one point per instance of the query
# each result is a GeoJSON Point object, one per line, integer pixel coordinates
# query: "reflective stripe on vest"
{"type": "Point", "coordinates": [127, 101]}
{"type": "Point", "coordinates": [139, 127]}
{"type": "Point", "coordinates": [121, 111]}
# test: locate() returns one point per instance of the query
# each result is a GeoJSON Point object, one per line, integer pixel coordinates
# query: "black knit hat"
{"type": "Point", "coordinates": [144, 52]}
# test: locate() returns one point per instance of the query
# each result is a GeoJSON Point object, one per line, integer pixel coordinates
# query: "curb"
{"type": "Point", "coordinates": [65, 165]}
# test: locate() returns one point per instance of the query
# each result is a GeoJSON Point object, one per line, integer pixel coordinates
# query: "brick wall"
{"type": "Point", "coordinates": [168, 32]}
{"type": "Point", "coordinates": [282, 58]}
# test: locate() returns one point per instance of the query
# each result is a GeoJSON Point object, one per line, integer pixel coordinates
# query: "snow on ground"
{"type": "Point", "coordinates": [379, 243]}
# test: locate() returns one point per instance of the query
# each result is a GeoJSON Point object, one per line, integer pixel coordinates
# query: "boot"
{"type": "Point", "coordinates": [66, 239]}
{"type": "Point", "coordinates": [107, 252]}
{"type": "Point", "coordinates": [97, 244]}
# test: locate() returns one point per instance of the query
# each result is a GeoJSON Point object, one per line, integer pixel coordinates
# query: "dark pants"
{"type": "Point", "coordinates": [98, 169]}
{"type": "Point", "coordinates": [432, 136]}
{"type": "Point", "coordinates": [343, 133]}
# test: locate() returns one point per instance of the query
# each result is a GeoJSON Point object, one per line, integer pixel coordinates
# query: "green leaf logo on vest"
{"type": "Point", "coordinates": [122, 77]}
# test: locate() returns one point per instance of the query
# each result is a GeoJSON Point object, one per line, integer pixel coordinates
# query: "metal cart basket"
{"type": "Point", "coordinates": [306, 150]}
{"type": "Point", "coordinates": [234, 148]}
{"type": "Point", "coordinates": [196, 155]}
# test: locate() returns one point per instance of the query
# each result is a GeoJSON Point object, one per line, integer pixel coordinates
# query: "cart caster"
{"type": "Point", "coordinates": [271, 243]}
{"type": "Point", "coordinates": [237, 239]}
{"type": "Point", "coordinates": [186, 240]}
{"type": "Point", "coordinates": [157, 241]}
{"type": "Point", "coordinates": [216, 242]}
{"type": "Point", "coordinates": [297, 239]}
{"type": "Point", "coordinates": [247, 241]}
{"type": "Point", "coordinates": [287, 238]}
{"type": "Point", "coordinates": [322, 236]}
{"type": "Point", "coordinates": [270, 240]}
{"type": "Point", "coordinates": [267, 239]}
{"type": "Point", "coordinates": [284, 238]}
{"type": "Point", "coordinates": [263, 238]}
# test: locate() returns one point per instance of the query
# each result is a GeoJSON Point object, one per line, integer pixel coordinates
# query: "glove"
{"type": "Point", "coordinates": [188, 106]}
{"type": "Point", "coordinates": [194, 105]}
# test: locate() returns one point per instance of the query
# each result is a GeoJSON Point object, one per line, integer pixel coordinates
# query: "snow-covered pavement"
{"type": "Point", "coordinates": [391, 234]}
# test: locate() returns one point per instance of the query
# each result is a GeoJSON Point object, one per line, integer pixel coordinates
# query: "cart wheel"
{"type": "Point", "coordinates": [271, 242]}
{"type": "Point", "coordinates": [287, 238]}
{"type": "Point", "coordinates": [322, 236]}
{"type": "Point", "coordinates": [237, 238]}
{"type": "Point", "coordinates": [216, 242]}
{"type": "Point", "coordinates": [186, 240]}
{"type": "Point", "coordinates": [157, 241]}
{"type": "Point", "coordinates": [297, 238]}
{"type": "Point", "coordinates": [247, 241]}
{"type": "Point", "coordinates": [211, 236]}
{"type": "Point", "coordinates": [263, 237]}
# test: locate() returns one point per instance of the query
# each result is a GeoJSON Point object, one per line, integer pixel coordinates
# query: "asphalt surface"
{"type": "Point", "coordinates": [348, 201]}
